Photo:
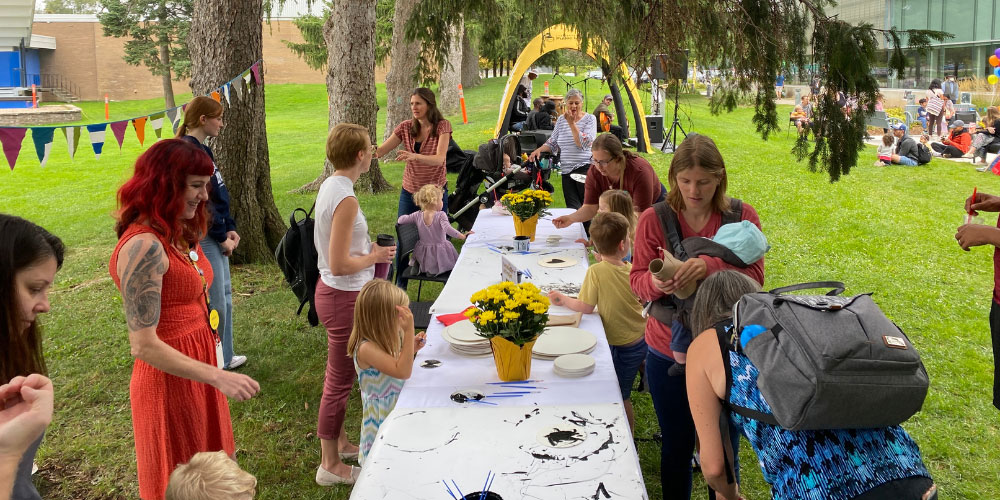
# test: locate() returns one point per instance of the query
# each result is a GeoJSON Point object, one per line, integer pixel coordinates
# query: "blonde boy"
{"type": "Point", "coordinates": [606, 287]}
{"type": "Point", "coordinates": [210, 476]}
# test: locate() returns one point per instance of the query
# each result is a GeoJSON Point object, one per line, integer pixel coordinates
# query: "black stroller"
{"type": "Point", "coordinates": [486, 170]}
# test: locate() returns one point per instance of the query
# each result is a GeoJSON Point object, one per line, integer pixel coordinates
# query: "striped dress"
{"type": "Point", "coordinates": [379, 393]}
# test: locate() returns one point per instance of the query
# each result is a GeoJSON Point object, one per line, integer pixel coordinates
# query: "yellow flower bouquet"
{"type": "Point", "coordinates": [511, 317]}
{"type": "Point", "coordinates": [526, 207]}
{"type": "Point", "coordinates": [528, 203]}
{"type": "Point", "coordinates": [517, 313]}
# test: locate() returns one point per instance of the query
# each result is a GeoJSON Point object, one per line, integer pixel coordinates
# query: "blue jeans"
{"type": "Point", "coordinates": [906, 160]}
{"type": "Point", "coordinates": [627, 361]}
{"type": "Point", "coordinates": [407, 206]}
{"type": "Point", "coordinates": [220, 294]}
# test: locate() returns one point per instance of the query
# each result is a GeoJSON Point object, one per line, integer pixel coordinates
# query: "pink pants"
{"type": "Point", "coordinates": [336, 310]}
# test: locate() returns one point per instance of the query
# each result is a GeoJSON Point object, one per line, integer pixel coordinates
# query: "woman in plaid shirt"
{"type": "Point", "coordinates": [425, 140]}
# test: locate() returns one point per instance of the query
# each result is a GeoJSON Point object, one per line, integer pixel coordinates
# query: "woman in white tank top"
{"type": "Point", "coordinates": [346, 262]}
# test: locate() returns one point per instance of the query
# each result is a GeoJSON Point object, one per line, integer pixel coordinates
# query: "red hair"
{"type": "Point", "coordinates": [155, 193]}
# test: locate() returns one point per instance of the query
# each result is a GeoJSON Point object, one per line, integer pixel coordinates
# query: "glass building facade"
{"type": "Point", "coordinates": [973, 23]}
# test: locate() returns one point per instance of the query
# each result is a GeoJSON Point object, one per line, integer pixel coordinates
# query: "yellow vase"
{"type": "Point", "coordinates": [513, 361]}
{"type": "Point", "coordinates": [525, 227]}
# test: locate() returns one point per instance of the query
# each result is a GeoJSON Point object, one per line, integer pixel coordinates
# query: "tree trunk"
{"type": "Point", "coordinates": [164, 40]}
{"type": "Point", "coordinates": [451, 73]}
{"type": "Point", "coordinates": [494, 69]}
{"type": "Point", "coordinates": [470, 62]}
{"type": "Point", "coordinates": [350, 77]}
{"type": "Point", "coordinates": [228, 38]}
{"type": "Point", "coordinates": [400, 81]}
{"type": "Point", "coordinates": [350, 82]}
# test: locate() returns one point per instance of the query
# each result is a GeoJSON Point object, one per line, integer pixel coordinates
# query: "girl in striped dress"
{"type": "Point", "coordinates": [384, 344]}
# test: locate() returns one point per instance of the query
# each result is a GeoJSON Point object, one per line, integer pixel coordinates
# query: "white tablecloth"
{"type": "Point", "coordinates": [416, 449]}
{"type": "Point", "coordinates": [429, 437]}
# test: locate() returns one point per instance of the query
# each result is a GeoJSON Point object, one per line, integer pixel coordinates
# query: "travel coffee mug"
{"type": "Point", "coordinates": [382, 269]}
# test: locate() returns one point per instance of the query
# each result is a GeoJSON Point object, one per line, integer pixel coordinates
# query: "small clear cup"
{"type": "Point", "coordinates": [974, 219]}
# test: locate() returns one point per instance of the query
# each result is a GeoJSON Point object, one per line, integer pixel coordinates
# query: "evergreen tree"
{"type": "Point", "coordinates": [751, 39]}
{"type": "Point", "coordinates": [157, 32]}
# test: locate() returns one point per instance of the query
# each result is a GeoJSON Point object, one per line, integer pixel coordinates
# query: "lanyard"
{"type": "Point", "coordinates": [211, 314]}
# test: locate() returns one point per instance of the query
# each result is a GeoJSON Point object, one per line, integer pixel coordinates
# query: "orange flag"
{"type": "Point", "coordinates": [139, 124]}
{"type": "Point", "coordinates": [216, 96]}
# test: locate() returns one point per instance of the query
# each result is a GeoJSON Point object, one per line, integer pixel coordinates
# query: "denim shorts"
{"type": "Point", "coordinates": [627, 361]}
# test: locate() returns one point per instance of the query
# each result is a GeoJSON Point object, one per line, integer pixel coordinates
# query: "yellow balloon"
{"type": "Point", "coordinates": [992, 79]}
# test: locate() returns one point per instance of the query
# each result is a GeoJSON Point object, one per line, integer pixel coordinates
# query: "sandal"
{"type": "Point", "coordinates": [327, 478]}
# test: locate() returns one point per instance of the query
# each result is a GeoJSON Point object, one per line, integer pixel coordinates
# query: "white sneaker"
{"type": "Point", "coordinates": [236, 362]}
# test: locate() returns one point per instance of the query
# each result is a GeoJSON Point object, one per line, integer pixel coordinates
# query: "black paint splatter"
{"type": "Point", "coordinates": [557, 437]}
{"type": "Point", "coordinates": [601, 489]}
{"type": "Point", "coordinates": [465, 397]}
{"type": "Point", "coordinates": [431, 363]}
{"type": "Point", "coordinates": [556, 261]}
{"type": "Point", "coordinates": [543, 456]}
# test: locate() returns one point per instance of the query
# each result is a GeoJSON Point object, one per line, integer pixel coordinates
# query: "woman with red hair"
{"type": "Point", "coordinates": [178, 389]}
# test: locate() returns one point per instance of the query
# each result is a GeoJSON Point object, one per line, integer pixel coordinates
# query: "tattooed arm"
{"type": "Point", "coordinates": [142, 262]}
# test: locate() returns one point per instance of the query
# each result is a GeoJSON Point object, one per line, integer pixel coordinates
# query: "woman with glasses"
{"type": "Point", "coordinates": [613, 168]}
{"type": "Point", "coordinates": [572, 137]}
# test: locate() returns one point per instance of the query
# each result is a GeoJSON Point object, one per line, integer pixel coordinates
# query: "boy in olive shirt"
{"type": "Point", "coordinates": [606, 287]}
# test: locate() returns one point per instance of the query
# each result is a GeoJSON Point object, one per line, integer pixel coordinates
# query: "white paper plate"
{"type": "Point", "coordinates": [557, 261]}
{"type": "Point", "coordinates": [463, 331]}
{"type": "Point", "coordinates": [453, 341]}
{"type": "Point", "coordinates": [559, 340]}
{"type": "Point", "coordinates": [572, 374]}
{"type": "Point", "coordinates": [570, 363]}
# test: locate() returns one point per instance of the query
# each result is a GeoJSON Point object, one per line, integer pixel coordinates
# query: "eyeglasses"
{"type": "Point", "coordinates": [600, 163]}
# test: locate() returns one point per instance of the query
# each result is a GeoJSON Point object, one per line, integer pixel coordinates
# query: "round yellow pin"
{"type": "Point", "coordinates": [213, 319]}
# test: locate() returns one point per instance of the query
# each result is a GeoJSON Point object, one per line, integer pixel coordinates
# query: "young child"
{"type": "Point", "coordinates": [885, 150]}
{"type": "Point", "coordinates": [922, 114]}
{"type": "Point", "coordinates": [739, 244]}
{"type": "Point", "coordinates": [433, 253]}
{"type": "Point", "coordinates": [620, 202]}
{"type": "Point", "coordinates": [383, 344]}
{"type": "Point", "coordinates": [210, 475]}
{"type": "Point", "coordinates": [606, 287]}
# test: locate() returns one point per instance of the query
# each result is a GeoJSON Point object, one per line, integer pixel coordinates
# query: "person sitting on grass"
{"type": "Point", "coordinates": [885, 150]}
{"type": "Point", "coordinates": [956, 144]}
{"type": "Point", "coordinates": [210, 475]}
{"type": "Point", "coordinates": [606, 287]}
{"type": "Point", "coordinates": [906, 147]}
{"type": "Point", "coordinates": [433, 252]}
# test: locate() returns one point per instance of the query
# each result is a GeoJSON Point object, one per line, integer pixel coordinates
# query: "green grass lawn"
{"type": "Point", "coordinates": [884, 230]}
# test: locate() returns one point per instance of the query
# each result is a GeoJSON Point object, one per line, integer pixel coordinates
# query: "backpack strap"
{"type": "Point", "coordinates": [735, 213]}
{"type": "Point", "coordinates": [671, 229]}
{"type": "Point", "coordinates": [723, 331]}
{"type": "Point", "coordinates": [728, 335]}
{"type": "Point", "coordinates": [312, 315]}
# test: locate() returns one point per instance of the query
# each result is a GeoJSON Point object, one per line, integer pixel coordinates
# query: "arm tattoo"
{"type": "Point", "coordinates": [141, 284]}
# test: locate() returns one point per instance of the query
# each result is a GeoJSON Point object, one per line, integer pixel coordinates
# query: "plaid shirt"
{"type": "Point", "coordinates": [416, 175]}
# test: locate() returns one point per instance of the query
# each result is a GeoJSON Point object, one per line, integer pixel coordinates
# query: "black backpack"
{"type": "Point", "coordinates": [923, 154]}
{"type": "Point", "coordinates": [297, 258]}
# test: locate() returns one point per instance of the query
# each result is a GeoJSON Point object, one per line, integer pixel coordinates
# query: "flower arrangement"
{"type": "Point", "coordinates": [528, 203]}
{"type": "Point", "coordinates": [517, 313]}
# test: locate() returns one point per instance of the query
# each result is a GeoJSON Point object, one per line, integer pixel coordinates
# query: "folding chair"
{"type": "Point", "coordinates": [406, 240]}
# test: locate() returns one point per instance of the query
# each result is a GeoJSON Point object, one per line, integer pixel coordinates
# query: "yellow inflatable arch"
{"type": "Point", "coordinates": [562, 36]}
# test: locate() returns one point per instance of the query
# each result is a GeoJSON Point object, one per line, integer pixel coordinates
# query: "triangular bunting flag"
{"type": "Point", "coordinates": [172, 115]}
{"type": "Point", "coordinates": [11, 139]}
{"type": "Point", "coordinates": [255, 69]}
{"type": "Point", "coordinates": [139, 124]}
{"type": "Point", "coordinates": [225, 92]}
{"type": "Point", "coordinates": [246, 78]}
{"type": "Point", "coordinates": [42, 137]}
{"type": "Point", "coordinates": [97, 137]}
{"type": "Point", "coordinates": [215, 95]}
{"type": "Point", "coordinates": [237, 84]}
{"type": "Point", "coordinates": [156, 121]}
{"type": "Point", "coordinates": [119, 129]}
{"type": "Point", "coordinates": [72, 135]}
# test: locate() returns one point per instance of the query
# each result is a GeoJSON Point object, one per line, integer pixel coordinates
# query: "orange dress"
{"type": "Point", "coordinates": [173, 417]}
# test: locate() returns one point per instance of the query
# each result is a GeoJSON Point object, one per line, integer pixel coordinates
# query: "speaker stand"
{"type": "Point", "coordinates": [670, 140]}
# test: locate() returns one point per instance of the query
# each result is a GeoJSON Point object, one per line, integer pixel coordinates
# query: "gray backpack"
{"type": "Point", "coordinates": [826, 361]}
